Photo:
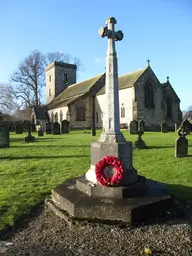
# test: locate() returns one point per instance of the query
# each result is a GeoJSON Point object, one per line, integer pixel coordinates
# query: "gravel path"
{"type": "Point", "coordinates": [47, 234]}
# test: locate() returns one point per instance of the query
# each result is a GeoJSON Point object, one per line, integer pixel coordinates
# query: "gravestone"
{"type": "Point", "coordinates": [181, 144]}
{"type": "Point", "coordinates": [49, 127]}
{"type": "Point", "coordinates": [65, 126]}
{"type": "Point", "coordinates": [40, 132]}
{"type": "Point", "coordinates": [4, 136]}
{"type": "Point", "coordinates": [141, 126]}
{"type": "Point", "coordinates": [29, 137]}
{"type": "Point", "coordinates": [186, 125]}
{"type": "Point", "coordinates": [139, 143]}
{"type": "Point", "coordinates": [19, 129]}
{"type": "Point", "coordinates": [164, 127]}
{"type": "Point", "coordinates": [133, 127]}
{"type": "Point", "coordinates": [56, 129]}
{"type": "Point", "coordinates": [132, 198]}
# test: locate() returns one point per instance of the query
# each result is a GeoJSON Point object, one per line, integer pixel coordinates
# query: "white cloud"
{"type": "Point", "coordinates": [99, 59]}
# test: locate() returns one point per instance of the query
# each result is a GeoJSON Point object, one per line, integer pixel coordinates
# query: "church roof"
{"type": "Point", "coordinates": [127, 80]}
{"type": "Point", "coordinates": [74, 91]}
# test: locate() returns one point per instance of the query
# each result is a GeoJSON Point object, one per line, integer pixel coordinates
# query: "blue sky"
{"type": "Point", "coordinates": [160, 30]}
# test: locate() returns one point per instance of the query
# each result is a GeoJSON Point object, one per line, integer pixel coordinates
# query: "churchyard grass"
{"type": "Point", "coordinates": [28, 172]}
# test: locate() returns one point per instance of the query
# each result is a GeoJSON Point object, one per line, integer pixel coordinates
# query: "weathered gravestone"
{"type": "Point", "coordinates": [139, 143]}
{"type": "Point", "coordinates": [49, 127]}
{"type": "Point", "coordinates": [141, 125]}
{"type": "Point", "coordinates": [133, 127]}
{"type": "Point", "coordinates": [65, 126]}
{"type": "Point", "coordinates": [19, 128]}
{"type": "Point", "coordinates": [40, 131]}
{"type": "Point", "coordinates": [181, 144]}
{"type": "Point", "coordinates": [56, 128]}
{"type": "Point", "coordinates": [164, 127]}
{"type": "Point", "coordinates": [4, 136]}
{"type": "Point", "coordinates": [29, 137]}
{"type": "Point", "coordinates": [95, 196]}
{"type": "Point", "coordinates": [186, 125]}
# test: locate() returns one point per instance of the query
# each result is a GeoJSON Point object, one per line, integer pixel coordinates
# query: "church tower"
{"type": "Point", "coordinates": [59, 75]}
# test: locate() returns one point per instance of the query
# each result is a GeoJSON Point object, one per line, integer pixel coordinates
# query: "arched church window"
{"type": "Point", "coordinates": [122, 112]}
{"type": "Point", "coordinates": [169, 108]}
{"type": "Point", "coordinates": [61, 116]}
{"type": "Point", "coordinates": [56, 117]}
{"type": "Point", "coordinates": [49, 92]}
{"type": "Point", "coordinates": [149, 101]}
{"type": "Point", "coordinates": [52, 117]}
{"type": "Point", "coordinates": [80, 114]}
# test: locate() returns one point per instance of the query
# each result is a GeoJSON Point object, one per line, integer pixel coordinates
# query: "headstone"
{"type": "Point", "coordinates": [186, 125]}
{"type": "Point", "coordinates": [133, 127]}
{"type": "Point", "coordinates": [164, 127]}
{"type": "Point", "coordinates": [4, 136]}
{"type": "Point", "coordinates": [181, 144]}
{"type": "Point", "coordinates": [139, 143]}
{"type": "Point", "coordinates": [49, 127]}
{"type": "Point", "coordinates": [141, 126]}
{"type": "Point", "coordinates": [29, 137]}
{"type": "Point", "coordinates": [65, 126]}
{"type": "Point", "coordinates": [56, 128]}
{"type": "Point", "coordinates": [19, 129]}
{"type": "Point", "coordinates": [40, 131]}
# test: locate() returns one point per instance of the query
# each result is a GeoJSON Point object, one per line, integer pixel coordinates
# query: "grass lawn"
{"type": "Point", "coordinates": [28, 172]}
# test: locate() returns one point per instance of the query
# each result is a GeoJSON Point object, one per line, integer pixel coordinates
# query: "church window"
{"type": "Point", "coordinates": [49, 78]}
{"type": "Point", "coordinates": [65, 77]}
{"type": "Point", "coordinates": [97, 117]}
{"type": "Point", "coordinates": [52, 116]}
{"type": "Point", "coordinates": [61, 116]}
{"type": "Point", "coordinates": [149, 95]}
{"type": "Point", "coordinates": [80, 113]}
{"type": "Point", "coordinates": [169, 108]}
{"type": "Point", "coordinates": [122, 112]}
{"type": "Point", "coordinates": [49, 92]}
{"type": "Point", "coordinates": [56, 117]}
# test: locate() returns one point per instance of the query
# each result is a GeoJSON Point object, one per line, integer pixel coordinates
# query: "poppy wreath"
{"type": "Point", "coordinates": [118, 171]}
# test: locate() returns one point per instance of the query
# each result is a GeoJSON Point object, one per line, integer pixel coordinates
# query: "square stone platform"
{"type": "Point", "coordinates": [81, 200]}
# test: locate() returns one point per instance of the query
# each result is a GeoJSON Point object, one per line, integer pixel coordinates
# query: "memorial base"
{"type": "Point", "coordinates": [80, 200]}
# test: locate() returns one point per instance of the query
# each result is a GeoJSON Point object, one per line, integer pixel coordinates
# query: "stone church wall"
{"type": "Point", "coordinates": [86, 101]}
{"type": "Point", "coordinates": [61, 112]}
{"type": "Point", "coordinates": [152, 116]}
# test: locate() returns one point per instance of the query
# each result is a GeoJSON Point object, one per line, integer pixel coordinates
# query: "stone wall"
{"type": "Point", "coordinates": [152, 116]}
{"type": "Point", "coordinates": [86, 101]}
{"type": "Point", "coordinates": [55, 82]}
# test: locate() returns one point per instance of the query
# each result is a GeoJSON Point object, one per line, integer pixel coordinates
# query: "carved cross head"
{"type": "Point", "coordinates": [109, 30]}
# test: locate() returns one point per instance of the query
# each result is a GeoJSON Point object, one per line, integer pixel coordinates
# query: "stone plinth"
{"type": "Point", "coordinates": [134, 190]}
{"type": "Point", "coordinates": [123, 151]}
{"type": "Point", "coordinates": [66, 197]}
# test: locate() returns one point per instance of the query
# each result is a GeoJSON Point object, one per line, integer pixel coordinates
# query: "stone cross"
{"type": "Point", "coordinates": [111, 124]}
{"type": "Point", "coordinates": [148, 61]}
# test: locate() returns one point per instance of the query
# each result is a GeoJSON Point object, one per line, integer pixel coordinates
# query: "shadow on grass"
{"type": "Point", "coordinates": [39, 157]}
{"type": "Point", "coordinates": [180, 191]}
{"type": "Point", "coordinates": [49, 146]}
{"type": "Point", "coordinates": [152, 147]}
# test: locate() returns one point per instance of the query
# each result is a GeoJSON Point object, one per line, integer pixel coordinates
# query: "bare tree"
{"type": "Point", "coordinates": [29, 79]}
{"type": "Point", "coordinates": [7, 100]}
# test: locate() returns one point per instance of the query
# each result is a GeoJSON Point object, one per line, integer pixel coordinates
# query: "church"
{"type": "Point", "coordinates": [141, 97]}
